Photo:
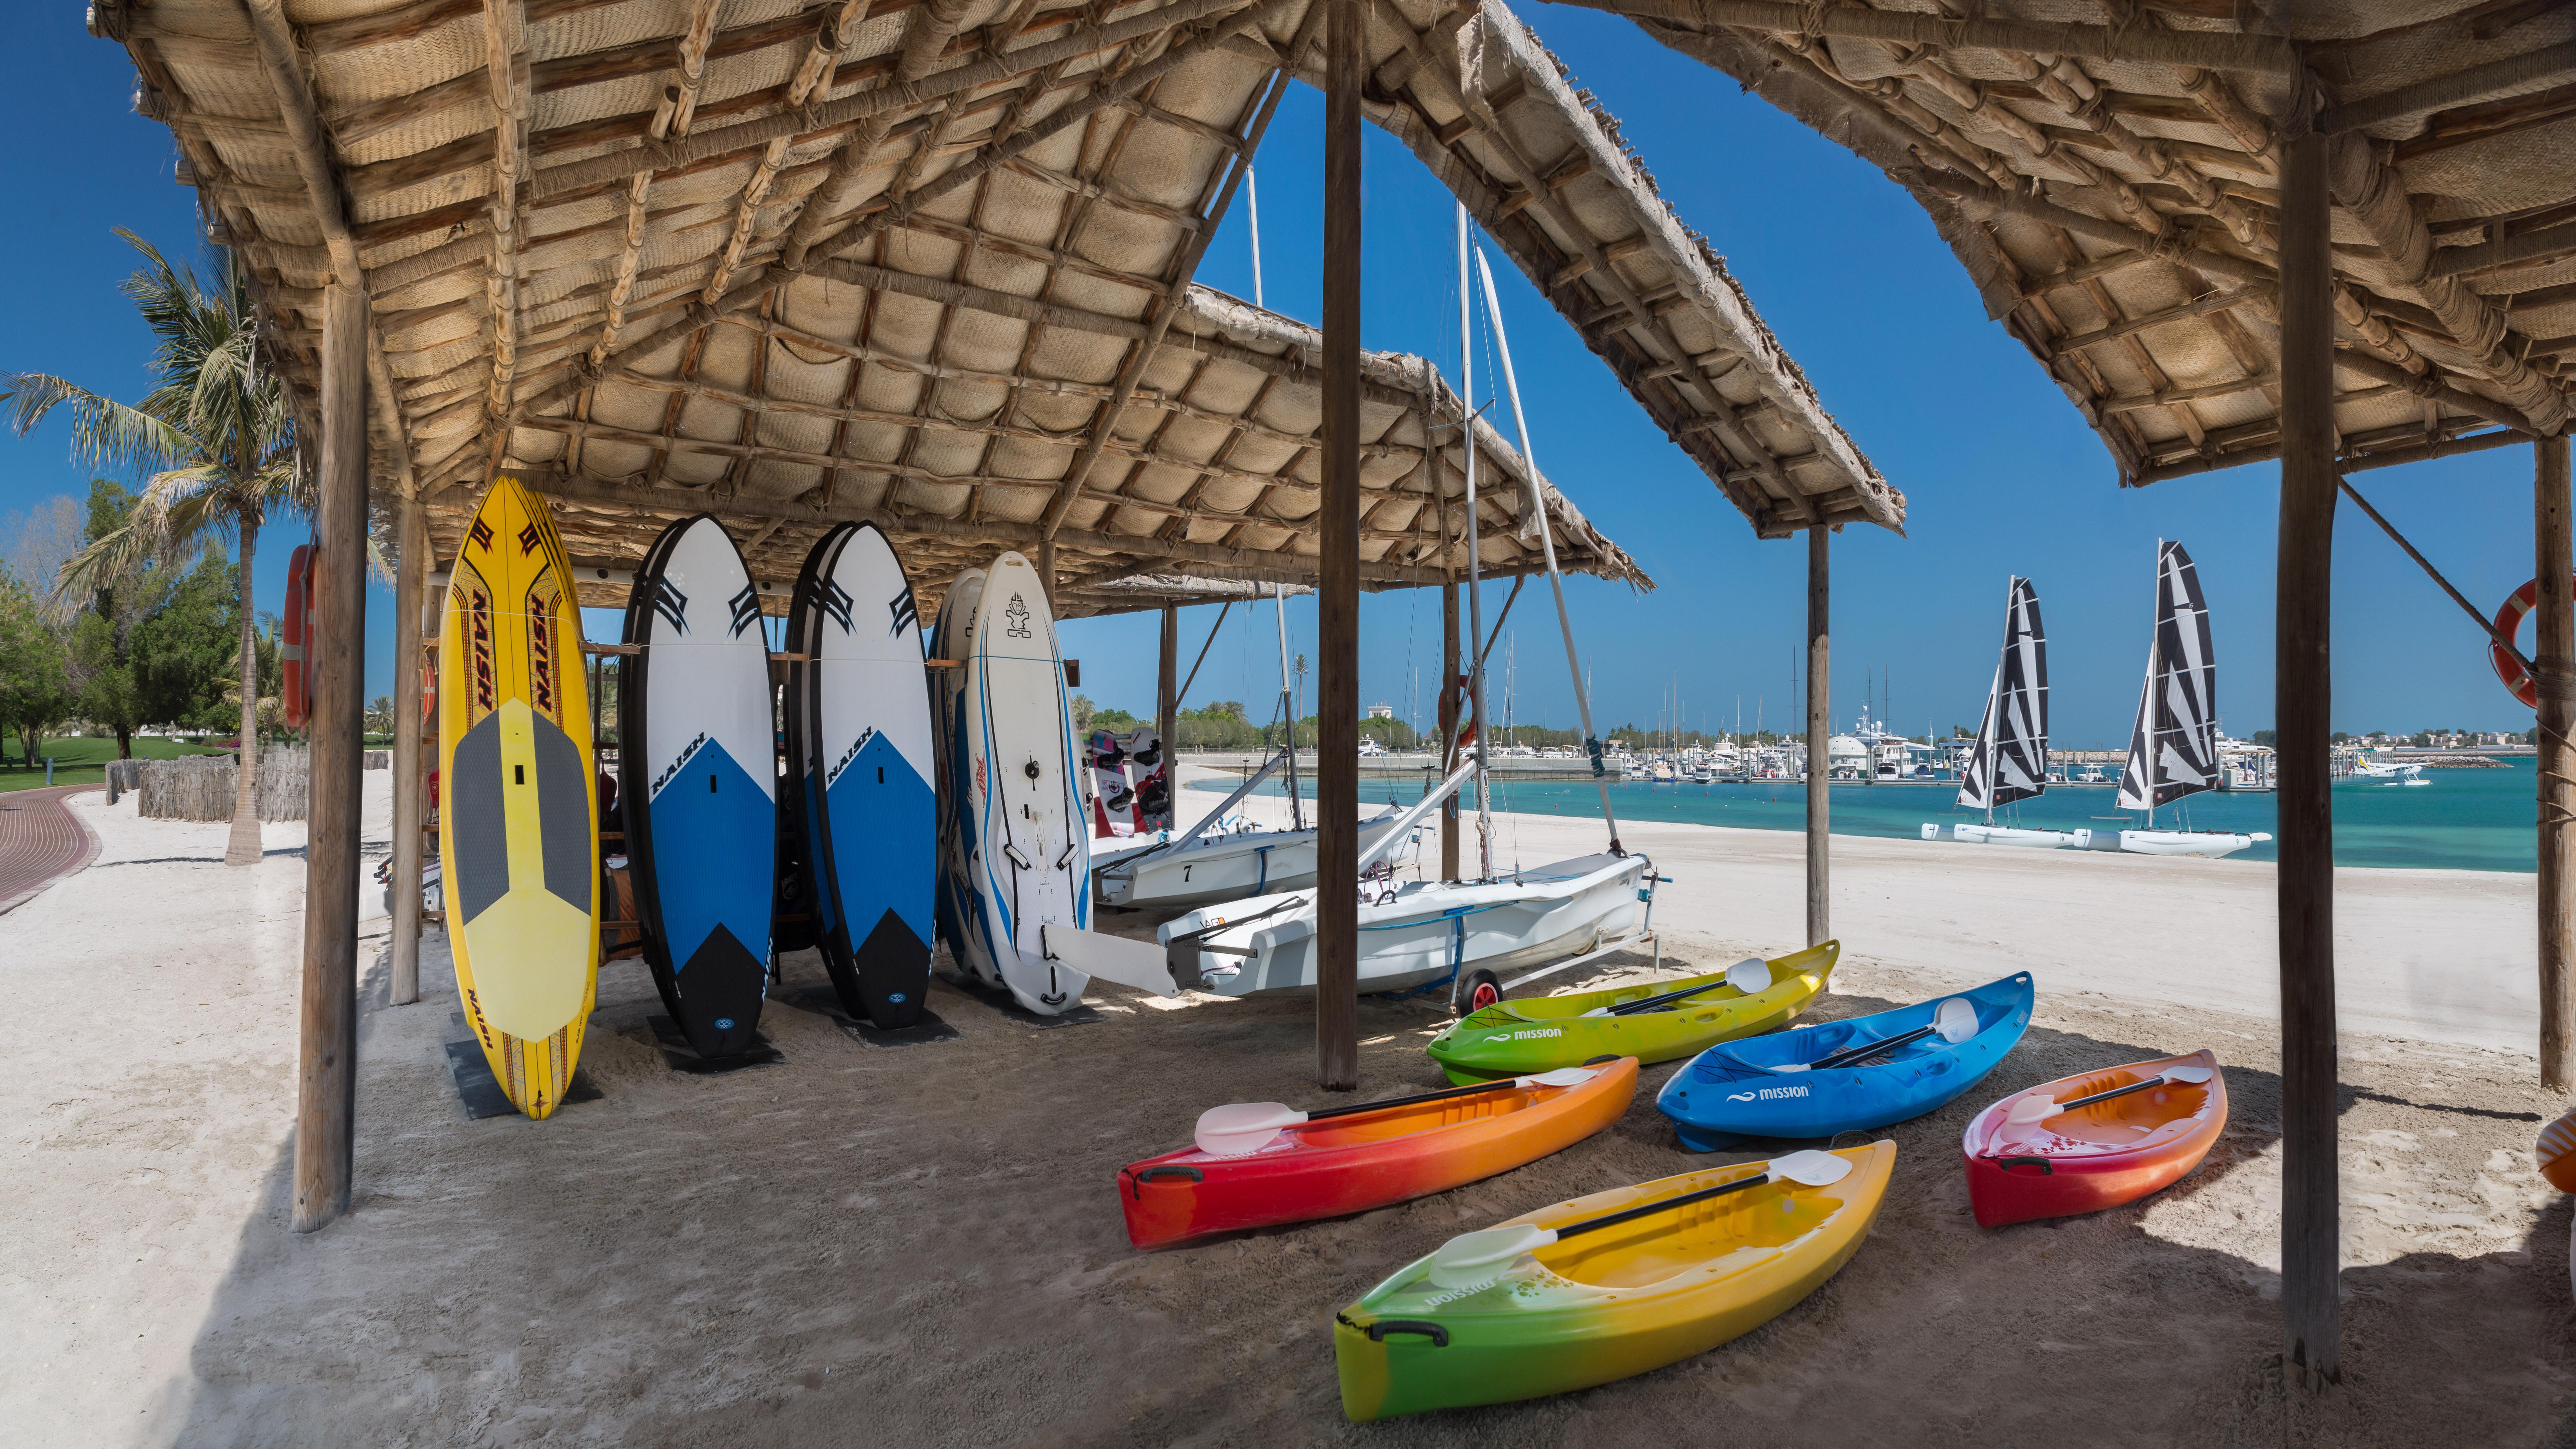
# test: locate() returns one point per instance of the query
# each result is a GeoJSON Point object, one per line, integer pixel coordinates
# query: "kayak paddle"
{"type": "Point", "coordinates": [1479, 1257]}
{"type": "Point", "coordinates": [1241, 1127]}
{"type": "Point", "coordinates": [1955, 1026]}
{"type": "Point", "coordinates": [1749, 975]}
{"type": "Point", "coordinates": [2034, 1109]}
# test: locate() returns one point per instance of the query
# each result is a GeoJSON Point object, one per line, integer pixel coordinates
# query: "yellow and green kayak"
{"type": "Point", "coordinates": [1603, 1306]}
{"type": "Point", "coordinates": [1542, 1033]}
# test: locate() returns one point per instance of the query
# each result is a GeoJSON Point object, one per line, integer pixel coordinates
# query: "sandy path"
{"type": "Point", "coordinates": [920, 1245]}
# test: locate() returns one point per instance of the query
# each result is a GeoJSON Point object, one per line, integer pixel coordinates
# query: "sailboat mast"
{"type": "Point", "coordinates": [1547, 544]}
{"type": "Point", "coordinates": [2155, 667]}
{"type": "Point", "coordinates": [1475, 604]}
{"type": "Point", "coordinates": [1288, 711]}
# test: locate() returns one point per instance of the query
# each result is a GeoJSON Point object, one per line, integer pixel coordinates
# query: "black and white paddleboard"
{"type": "Point", "coordinates": [697, 782]}
{"type": "Point", "coordinates": [859, 747]}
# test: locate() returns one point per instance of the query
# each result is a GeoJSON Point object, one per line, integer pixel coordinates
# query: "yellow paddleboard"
{"type": "Point", "coordinates": [518, 802]}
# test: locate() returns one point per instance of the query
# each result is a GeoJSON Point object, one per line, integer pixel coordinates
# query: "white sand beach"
{"type": "Point", "coordinates": [919, 1244]}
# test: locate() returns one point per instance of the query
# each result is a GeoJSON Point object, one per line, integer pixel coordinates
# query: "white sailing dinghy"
{"type": "Point", "coordinates": [2011, 759]}
{"type": "Point", "coordinates": [1208, 863]}
{"type": "Point", "coordinates": [1419, 935]}
{"type": "Point", "coordinates": [2173, 747]}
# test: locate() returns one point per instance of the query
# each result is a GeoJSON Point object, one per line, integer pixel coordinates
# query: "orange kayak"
{"type": "Point", "coordinates": [2153, 1123]}
{"type": "Point", "coordinates": [1349, 1164]}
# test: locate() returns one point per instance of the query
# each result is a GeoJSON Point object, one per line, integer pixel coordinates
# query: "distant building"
{"type": "Point", "coordinates": [1381, 711]}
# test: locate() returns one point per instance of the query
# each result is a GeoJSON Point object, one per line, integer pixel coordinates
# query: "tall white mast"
{"type": "Point", "coordinates": [1288, 710]}
{"type": "Point", "coordinates": [1475, 603]}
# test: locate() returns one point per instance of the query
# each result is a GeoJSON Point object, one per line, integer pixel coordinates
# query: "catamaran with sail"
{"type": "Point", "coordinates": [2010, 759]}
{"type": "Point", "coordinates": [1208, 863]}
{"type": "Point", "coordinates": [2173, 747]}
{"type": "Point", "coordinates": [1423, 934]}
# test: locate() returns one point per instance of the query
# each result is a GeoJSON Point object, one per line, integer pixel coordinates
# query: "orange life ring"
{"type": "Point", "coordinates": [295, 644]}
{"type": "Point", "coordinates": [2508, 622]}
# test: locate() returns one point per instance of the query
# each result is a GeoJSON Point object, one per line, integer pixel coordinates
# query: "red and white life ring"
{"type": "Point", "coordinates": [2508, 622]}
{"type": "Point", "coordinates": [295, 646]}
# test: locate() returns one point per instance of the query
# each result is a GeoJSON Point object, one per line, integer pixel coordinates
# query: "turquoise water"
{"type": "Point", "coordinates": [2463, 820]}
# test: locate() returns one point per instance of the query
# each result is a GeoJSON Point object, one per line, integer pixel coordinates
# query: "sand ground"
{"type": "Point", "coordinates": [918, 1244]}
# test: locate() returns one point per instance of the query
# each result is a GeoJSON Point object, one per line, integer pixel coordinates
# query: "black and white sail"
{"type": "Point", "coordinates": [2011, 760]}
{"type": "Point", "coordinates": [2173, 749]}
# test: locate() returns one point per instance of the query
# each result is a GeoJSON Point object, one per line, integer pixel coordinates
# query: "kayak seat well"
{"type": "Point", "coordinates": [1715, 1233]}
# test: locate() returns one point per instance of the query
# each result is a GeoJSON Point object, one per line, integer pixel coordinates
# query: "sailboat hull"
{"type": "Point", "coordinates": [1427, 932]}
{"type": "Point", "coordinates": [2210, 844]}
{"type": "Point", "coordinates": [1974, 834]}
{"type": "Point", "coordinates": [1217, 868]}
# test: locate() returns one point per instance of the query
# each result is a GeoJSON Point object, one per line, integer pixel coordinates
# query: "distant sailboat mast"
{"type": "Point", "coordinates": [2010, 761]}
{"type": "Point", "coordinates": [2173, 746]}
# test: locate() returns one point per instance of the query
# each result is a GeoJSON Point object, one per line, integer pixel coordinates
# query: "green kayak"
{"type": "Point", "coordinates": [1542, 1033]}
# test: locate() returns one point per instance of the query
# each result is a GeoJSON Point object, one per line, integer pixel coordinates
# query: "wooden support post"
{"type": "Point", "coordinates": [2554, 669]}
{"type": "Point", "coordinates": [1449, 818]}
{"type": "Point", "coordinates": [411, 574]}
{"type": "Point", "coordinates": [1820, 700]}
{"type": "Point", "coordinates": [1167, 707]}
{"type": "Point", "coordinates": [2303, 682]}
{"type": "Point", "coordinates": [1046, 572]}
{"type": "Point", "coordinates": [1337, 596]}
{"type": "Point", "coordinates": [326, 1079]}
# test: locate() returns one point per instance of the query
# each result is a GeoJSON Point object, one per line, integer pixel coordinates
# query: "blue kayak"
{"type": "Point", "coordinates": [1820, 1080]}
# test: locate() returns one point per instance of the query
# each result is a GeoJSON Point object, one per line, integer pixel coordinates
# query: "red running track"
{"type": "Point", "coordinates": [41, 842]}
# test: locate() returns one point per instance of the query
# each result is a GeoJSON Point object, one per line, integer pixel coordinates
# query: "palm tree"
{"type": "Point", "coordinates": [215, 443]}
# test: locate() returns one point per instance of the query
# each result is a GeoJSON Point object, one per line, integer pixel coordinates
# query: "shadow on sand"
{"type": "Point", "coordinates": [898, 1248]}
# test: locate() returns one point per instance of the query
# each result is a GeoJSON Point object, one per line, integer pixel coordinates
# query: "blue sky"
{"type": "Point", "coordinates": [2000, 474]}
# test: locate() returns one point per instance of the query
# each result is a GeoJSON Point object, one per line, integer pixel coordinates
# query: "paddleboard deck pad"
{"type": "Point", "coordinates": [859, 743]}
{"type": "Point", "coordinates": [697, 781]}
{"type": "Point", "coordinates": [518, 809]}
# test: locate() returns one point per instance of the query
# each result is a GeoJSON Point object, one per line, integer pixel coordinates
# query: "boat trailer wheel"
{"type": "Point", "coordinates": [1475, 991]}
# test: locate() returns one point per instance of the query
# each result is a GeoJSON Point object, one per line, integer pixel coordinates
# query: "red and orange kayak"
{"type": "Point", "coordinates": [1349, 1164]}
{"type": "Point", "coordinates": [2153, 1124]}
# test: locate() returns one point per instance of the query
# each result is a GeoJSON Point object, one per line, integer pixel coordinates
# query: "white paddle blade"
{"type": "Point", "coordinates": [1955, 1021]}
{"type": "Point", "coordinates": [1561, 1077]}
{"type": "Point", "coordinates": [1811, 1167]}
{"type": "Point", "coordinates": [2193, 1075]}
{"type": "Point", "coordinates": [1750, 975]}
{"type": "Point", "coordinates": [1478, 1256]}
{"type": "Point", "coordinates": [1790, 1067]}
{"type": "Point", "coordinates": [2032, 1108]}
{"type": "Point", "coordinates": [1240, 1127]}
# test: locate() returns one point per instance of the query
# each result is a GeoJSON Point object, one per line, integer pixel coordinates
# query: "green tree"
{"type": "Point", "coordinates": [35, 679]}
{"type": "Point", "coordinates": [216, 442]}
{"type": "Point", "coordinates": [103, 663]}
{"type": "Point", "coordinates": [380, 715]}
{"type": "Point", "coordinates": [185, 655]}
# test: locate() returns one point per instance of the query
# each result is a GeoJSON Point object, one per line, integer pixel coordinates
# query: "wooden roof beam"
{"type": "Point", "coordinates": [274, 43]}
{"type": "Point", "coordinates": [2203, 49]}
{"type": "Point", "coordinates": [2478, 83]}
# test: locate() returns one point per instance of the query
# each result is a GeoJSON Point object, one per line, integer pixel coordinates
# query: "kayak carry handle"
{"type": "Point", "coordinates": [2046, 1168]}
{"type": "Point", "coordinates": [1438, 1335]}
{"type": "Point", "coordinates": [1136, 1181]}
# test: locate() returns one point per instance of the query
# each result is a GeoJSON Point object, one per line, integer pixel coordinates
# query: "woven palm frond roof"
{"type": "Point", "coordinates": [2107, 172]}
{"type": "Point", "coordinates": [928, 263]}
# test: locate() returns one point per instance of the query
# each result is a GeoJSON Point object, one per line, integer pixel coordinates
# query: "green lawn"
{"type": "Point", "coordinates": [79, 761]}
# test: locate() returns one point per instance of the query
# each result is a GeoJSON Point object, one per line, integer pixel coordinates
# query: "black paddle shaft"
{"type": "Point", "coordinates": [1505, 1085]}
{"type": "Point", "coordinates": [1869, 1049]}
{"type": "Point", "coordinates": [1686, 1199]}
{"type": "Point", "coordinates": [2154, 1081]}
{"type": "Point", "coordinates": [1649, 1003]}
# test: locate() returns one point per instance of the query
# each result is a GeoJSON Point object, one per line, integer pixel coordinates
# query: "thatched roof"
{"type": "Point", "coordinates": [925, 262]}
{"type": "Point", "coordinates": [2111, 191]}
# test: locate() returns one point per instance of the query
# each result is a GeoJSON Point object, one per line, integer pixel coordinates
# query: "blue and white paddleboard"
{"type": "Point", "coordinates": [697, 782]}
{"type": "Point", "coordinates": [859, 738]}
{"type": "Point", "coordinates": [1026, 841]}
{"type": "Point", "coordinates": [948, 734]}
